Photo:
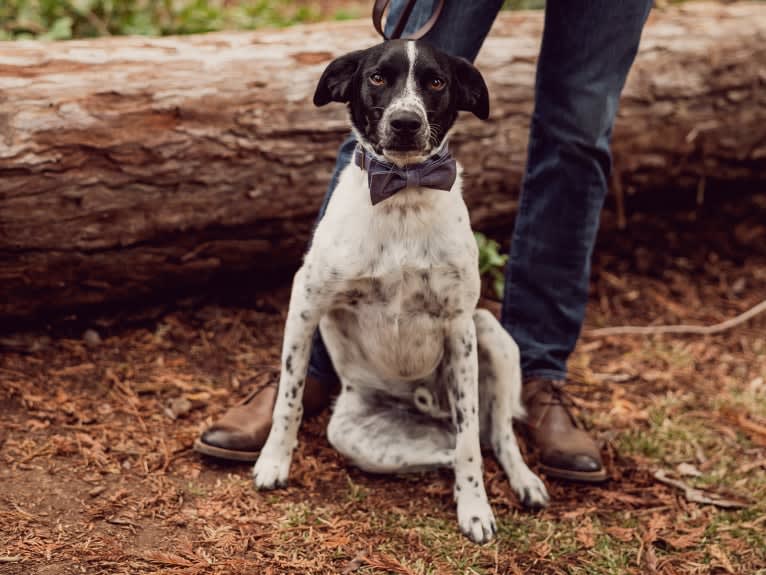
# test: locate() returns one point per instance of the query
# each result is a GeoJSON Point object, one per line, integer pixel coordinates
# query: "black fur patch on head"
{"type": "Point", "coordinates": [336, 82]}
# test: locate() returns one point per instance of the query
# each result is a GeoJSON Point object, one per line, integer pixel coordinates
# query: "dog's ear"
{"type": "Point", "coordinates": [335, 83]}
{"type": "Point", "coordinates": [472, 93]}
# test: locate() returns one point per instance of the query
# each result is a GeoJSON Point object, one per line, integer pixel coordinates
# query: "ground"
{"type": "Point", "coordinates": [98, 478]}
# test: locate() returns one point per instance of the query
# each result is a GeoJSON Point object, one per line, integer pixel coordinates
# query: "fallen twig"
{"type": "Point", "coordinates": [679, 329]}
{"type": "Point", "coordinates": [695, 495]}
{"type": "Point", "coordinates": [122, 522]}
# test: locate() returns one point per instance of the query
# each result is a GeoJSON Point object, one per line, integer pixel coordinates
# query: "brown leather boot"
{"type": "Point", "coordinates": [241, 432]}
{"type": "Point", "coordinates": [566, 450]}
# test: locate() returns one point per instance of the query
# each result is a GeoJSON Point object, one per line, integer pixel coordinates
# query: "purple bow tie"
{"type": "Point", "coordinates": [437, 172]}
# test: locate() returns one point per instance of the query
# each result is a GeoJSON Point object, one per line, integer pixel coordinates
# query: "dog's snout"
{"type": "Point", "coordinates": [406, 122]}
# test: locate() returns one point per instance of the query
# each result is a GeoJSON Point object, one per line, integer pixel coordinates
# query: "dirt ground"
{"type": "Point", "coordinates": [97, 476]}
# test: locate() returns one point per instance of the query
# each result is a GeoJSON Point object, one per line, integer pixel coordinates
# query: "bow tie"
{"type": "Point", "coordinates": [385, 179]}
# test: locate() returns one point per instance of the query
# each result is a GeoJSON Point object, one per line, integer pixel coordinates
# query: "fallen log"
{"type": "Point", "coordinates": [132, 166]}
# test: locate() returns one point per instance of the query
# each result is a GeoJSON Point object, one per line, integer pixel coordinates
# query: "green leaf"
{"type": "Point", "coordinates": [61, 30]}
{"type": "Point", "coordinates": [498, 283]}
{"type": "Point", "coordinates": [83, 7]}
{"type": "Point", "coordinates": [491, 262]}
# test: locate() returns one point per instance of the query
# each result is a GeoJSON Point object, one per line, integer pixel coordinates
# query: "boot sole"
{"type": "Point", "coordinates": [599, 476]}
{"type": "Point", "coordinates": [223, 453]}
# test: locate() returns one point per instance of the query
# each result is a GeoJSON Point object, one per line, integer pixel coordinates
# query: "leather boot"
{"type": "Point", "coordinates": [566, 450]}
{"type": "Point", "coordinates": [241, 432]}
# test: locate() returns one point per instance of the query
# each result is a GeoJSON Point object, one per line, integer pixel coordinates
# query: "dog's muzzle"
{"type": "Point", "coordinates": [405, 131]}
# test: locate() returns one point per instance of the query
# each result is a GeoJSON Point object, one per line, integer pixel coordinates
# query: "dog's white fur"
{"type": "Point", "coordinates": [426, 377]}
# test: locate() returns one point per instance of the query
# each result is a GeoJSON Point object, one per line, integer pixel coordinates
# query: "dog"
{"type": "Point", "coordinates": [392, 283]}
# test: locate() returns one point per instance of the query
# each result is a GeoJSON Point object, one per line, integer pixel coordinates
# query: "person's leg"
{"type": "Point", "coordinates": [449, 34]}
{"type": "Point", "coordinates": [587, 50]}
{"type": "Point", "coordinates": [242, 430]}
{"type": "Point", "coordinates": [321, 369]}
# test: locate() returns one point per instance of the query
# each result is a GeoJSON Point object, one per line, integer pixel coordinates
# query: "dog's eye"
{"type": "Point", "coordinates": [377, 80]}
{"type": "Point", "coordinates": [437, 84]}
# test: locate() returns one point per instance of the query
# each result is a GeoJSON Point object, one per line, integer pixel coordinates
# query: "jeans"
{"type": "Point", "coordinates": [587, 49]}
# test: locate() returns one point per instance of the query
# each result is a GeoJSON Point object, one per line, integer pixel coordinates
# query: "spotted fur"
{"type": "Point", "coordinates": [426, 378]}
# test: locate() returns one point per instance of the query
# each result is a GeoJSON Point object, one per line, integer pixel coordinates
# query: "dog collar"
{"type": "Point", "coordinates": [385, 179]}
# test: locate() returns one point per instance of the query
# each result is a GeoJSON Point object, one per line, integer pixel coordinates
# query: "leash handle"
{"type": "Point", "coordinates": [377, 19]}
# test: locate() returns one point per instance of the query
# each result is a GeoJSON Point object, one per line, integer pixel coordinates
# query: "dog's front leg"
{"type": "Point", "coordinates": [474, 514]}
{"type": "Point", "coordinates": [273, 465]}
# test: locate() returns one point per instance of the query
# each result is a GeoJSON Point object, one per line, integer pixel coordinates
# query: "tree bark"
{"type": "Point", "coordinates": [134, 166]}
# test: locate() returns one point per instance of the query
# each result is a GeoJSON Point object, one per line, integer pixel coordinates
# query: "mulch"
{"type": "Point", "coordinates": [98, 476]}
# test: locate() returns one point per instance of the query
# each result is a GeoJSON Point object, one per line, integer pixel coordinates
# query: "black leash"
{"type": "Point", "coordinates": [377, 19]}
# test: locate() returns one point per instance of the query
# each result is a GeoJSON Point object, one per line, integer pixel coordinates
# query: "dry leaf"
{"type": "Point", "coordinates": [623, 534]}
{"type": "Point", "coordinates": [585, 535]}
{"type": "Point", "coordinates": [96, 491]}
{"type": "Point", "coordinates": [177, 407]}
{"type": "Point", "coordinates": [690, 539]}
{"type": "Point", "coordinates": [749, 466]}
{"type": "Point", "coordinates": [723, 561]}
{"type": "Point", "coordinates": [542, 549]}
{"type": "Point", "coordinates": [515, 569]}
{"type": "Point", "coordinates": [356, 563]}
{"type": "Point", "coordinates": [652, 375]}
{"type": "Point", "coordinates": [167, 559]}
{"type": "Point", "coordinates": [388, 563]}
{"type": "Point", "coordinates": [650, 558]}
{"type": "Point", "coordinates": [656, 524]}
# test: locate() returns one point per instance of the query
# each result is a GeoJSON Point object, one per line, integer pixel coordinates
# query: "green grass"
{"type": "Point", "coordinates": [520, 535]}
{"type": "Point", "coordinates": [299, 514]}
{"type": "Point", "coordinates": [356, 493]}
{"type": "Point", "coordinates": [195, 489]}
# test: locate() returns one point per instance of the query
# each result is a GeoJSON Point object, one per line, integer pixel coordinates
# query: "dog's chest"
{"type": "Point", "coordinates": [396, 277]}
{"type": "Point", "coordinates": [392, 323]}
{"type": "Point", "coordinates": [406, 259]}
{"type": "Point", "coordinates": [403, 288]}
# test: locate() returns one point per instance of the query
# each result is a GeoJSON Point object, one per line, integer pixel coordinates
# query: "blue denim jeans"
{"type": "Point", "coordinates": [587, 49]}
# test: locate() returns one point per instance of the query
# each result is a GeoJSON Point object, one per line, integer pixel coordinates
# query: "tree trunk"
{"type": "Point", "coordinates": [132, 166]}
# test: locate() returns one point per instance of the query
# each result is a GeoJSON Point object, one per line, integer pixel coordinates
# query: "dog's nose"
{"type": "Point", "coordinates": [406, 122]}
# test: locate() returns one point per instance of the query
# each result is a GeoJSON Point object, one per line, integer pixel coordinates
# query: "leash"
{"type": "Point", "coordinates": [377, 19]}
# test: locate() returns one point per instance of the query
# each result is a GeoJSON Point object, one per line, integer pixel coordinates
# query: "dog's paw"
{"type": "Point", "coordinates": [271, 471]}
{"type": "Point", "coordinates": [530, 488]}
{"type": "Point", "coordinates": [476, 520]}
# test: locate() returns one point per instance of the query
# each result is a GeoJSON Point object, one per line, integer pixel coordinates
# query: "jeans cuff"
{"type": "Point", "coordinates": [326, 379]}
{"type": "Point", "coordinates": [551, 374]}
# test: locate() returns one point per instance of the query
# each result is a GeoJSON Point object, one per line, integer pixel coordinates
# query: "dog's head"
{"type": "Point", "coordinates": [403, 96]}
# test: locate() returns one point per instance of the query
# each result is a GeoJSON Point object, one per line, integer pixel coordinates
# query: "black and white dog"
{"type": "Point", "coordinates": [393, 286]}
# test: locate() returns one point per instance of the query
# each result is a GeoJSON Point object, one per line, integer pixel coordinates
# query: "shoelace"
{"type": "Point", "coordinates": [259, 387]}
{"type": "Point", "coordinates": [560, 396]}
